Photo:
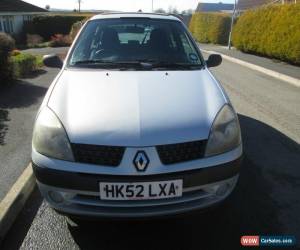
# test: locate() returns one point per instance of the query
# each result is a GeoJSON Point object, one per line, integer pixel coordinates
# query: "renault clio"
{"type": "Point", "coordinates": [135, 124]}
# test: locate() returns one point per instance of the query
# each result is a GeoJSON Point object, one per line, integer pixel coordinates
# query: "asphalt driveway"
{"type": "Point", "coordinates": [265, 202]}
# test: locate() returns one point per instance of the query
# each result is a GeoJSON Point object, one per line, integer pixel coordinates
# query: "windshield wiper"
{"type": "Point", "coordinates": [140, 64]}
{"type": "Point", "coordinates": [172, 65]}
{"type": "Point", "coordinates": [169, 64]}
{"type": "Point", "coordinates": [87, 62]}
{"type": "Point", "coordinates": [112, 64]}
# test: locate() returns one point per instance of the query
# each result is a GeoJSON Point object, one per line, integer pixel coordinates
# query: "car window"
{"type": "Point", "coordinates": [132, 40]}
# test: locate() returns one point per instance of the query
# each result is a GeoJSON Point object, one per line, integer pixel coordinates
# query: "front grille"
{"type": "Point", "coordinates": [99, 155]}
{"type": "Point", "coordinates": [181, 152]}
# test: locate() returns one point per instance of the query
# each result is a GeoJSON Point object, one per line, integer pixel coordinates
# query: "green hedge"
{"type": "Point", "coordinates": [210, 27]}
{"type": "Point", "coordinates": [76, 28]}
{"type": "Point", "coordinates": [24, 64]}
{"type": "Point", "coordinates": [47, 26]}
{"type": "Point", "coordinates": [273, 31]}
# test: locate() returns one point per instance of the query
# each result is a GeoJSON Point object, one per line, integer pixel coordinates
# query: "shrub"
{"type": "Point", "coordinates": [210, 27]}
{"type": "Point", "coordinates": [33, 40]}
{"type": "Point", "coordinates": [15, 52]}
{"type": "Point", "coordinates": [39, 45]}
{"type": "Point", "coordinates": [273, 31]}
{"type": "Point", "coordinates": [24, 64]}
{"type": "Point", "coordinates": [76, 28]}
{"type": "Point", "coordinates": [48, 26]}
{"type": "Point", "coordinates": [7, 44]}
{"type": "Point", "coordinates": [39, 61]}
{"type": "Point", "coordinates": [59, 40]}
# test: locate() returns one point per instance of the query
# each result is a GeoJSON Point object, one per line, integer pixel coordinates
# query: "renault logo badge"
{"type": "Point", "coordinates": [141, 161]}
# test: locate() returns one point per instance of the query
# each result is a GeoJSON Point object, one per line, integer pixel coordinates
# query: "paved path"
{"type": "Point", "coordinates": [272, 64]}
{"type": "Point", "coordinates": [266, 201]}
{"type": "Point", "coordinates": [47, 51]}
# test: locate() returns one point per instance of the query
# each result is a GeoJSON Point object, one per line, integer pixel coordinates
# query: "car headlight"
{"type": "Point", "coordinates": [50, 137]}
{"type": "Point", "coordinates": [225, 133]}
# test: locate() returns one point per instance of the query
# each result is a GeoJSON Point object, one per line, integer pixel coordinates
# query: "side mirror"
{"type": "Point", "coordinates": [52, 61]}
{"type": "Point", "coordinates": [214, 60]}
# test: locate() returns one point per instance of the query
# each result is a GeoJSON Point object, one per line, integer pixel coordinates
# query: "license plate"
{"type": "Point", "coordinates": [140, 190]}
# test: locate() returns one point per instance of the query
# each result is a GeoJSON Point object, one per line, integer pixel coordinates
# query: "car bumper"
{"type": "Point", "coordinates": [77, 193]}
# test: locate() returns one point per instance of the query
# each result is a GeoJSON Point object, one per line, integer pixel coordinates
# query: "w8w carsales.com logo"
{"type": "Point", "coordinates": [272, 241]}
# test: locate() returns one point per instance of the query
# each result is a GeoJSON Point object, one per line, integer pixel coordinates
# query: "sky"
{"type": "Point", "coordinates": [122, 5]}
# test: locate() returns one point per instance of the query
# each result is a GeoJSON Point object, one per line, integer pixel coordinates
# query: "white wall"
{"type": "Point", "coordinates": [13, 23]}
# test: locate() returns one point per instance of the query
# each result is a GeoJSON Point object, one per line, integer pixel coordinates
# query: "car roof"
{"type": "Point", "coordinates": [109, 15]}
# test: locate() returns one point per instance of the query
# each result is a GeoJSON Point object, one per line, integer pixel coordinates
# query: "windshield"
{"type": "Point", "coordinates": [135, 43]}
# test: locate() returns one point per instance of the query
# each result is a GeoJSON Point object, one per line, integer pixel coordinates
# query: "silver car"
{"type": "Point", "coordinates": [135, 124]}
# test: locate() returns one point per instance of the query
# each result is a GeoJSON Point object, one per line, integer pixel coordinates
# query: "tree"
{"type": "Point", "coordinates": [160, 10]}
{"type": "Point", "coordinates": [173, 10]}
{"type": "Point", "coordinates": [47, 7]}
{"type": "Point", "coordinates": [187, 12]}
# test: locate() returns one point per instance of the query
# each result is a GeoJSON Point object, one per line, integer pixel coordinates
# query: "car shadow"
{"type": "Point", "coordinates": [35, 74]}
{"type": "Point", "coordinates": [17, 233]}
{"type": "Point", "coordinates": [20, 94]}
{"type": "Point", "coordinates": [250, 210]}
